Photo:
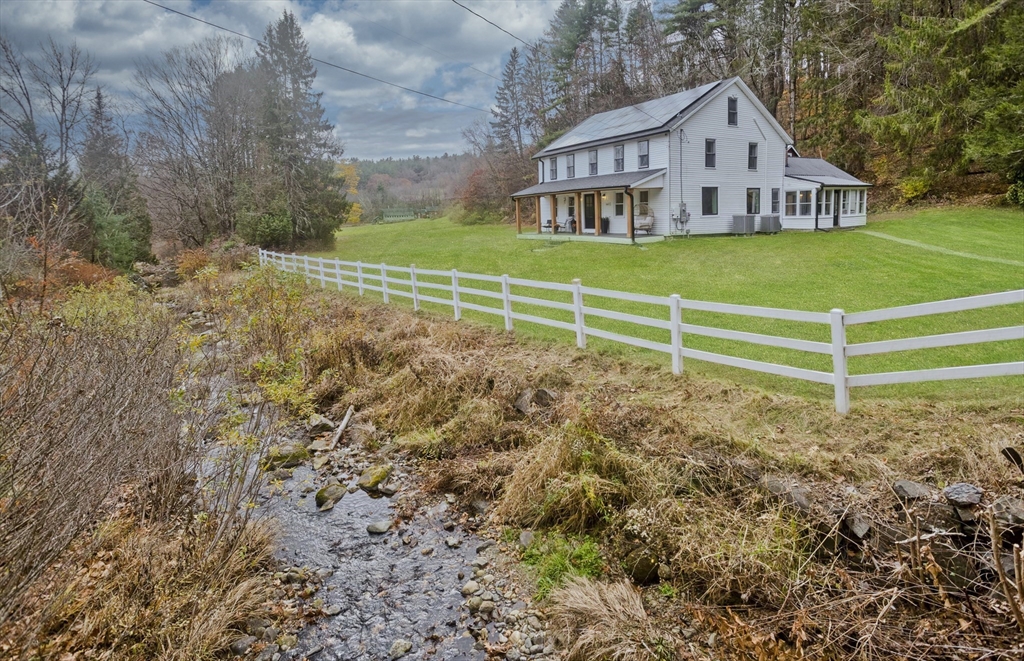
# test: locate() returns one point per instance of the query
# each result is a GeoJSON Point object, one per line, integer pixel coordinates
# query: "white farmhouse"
{"type": "Point", "coordinates": [710, 160]}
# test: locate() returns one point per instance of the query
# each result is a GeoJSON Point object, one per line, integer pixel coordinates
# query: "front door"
{"type": "Point", "coordinates": [588, 211]}
{"type": "Point", "coordinates": [835, 208]}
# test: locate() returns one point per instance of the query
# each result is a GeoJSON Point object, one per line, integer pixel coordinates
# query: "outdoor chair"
{"type": "Point", "coordinates": [643, 219]}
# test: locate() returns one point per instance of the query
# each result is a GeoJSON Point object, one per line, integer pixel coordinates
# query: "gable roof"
{"type": "Point", "coordinates": [820, 171]}
{"type": "Point", "coordinates": [647, 117]}
{"type": "Point", "coordinates": [650, 117]}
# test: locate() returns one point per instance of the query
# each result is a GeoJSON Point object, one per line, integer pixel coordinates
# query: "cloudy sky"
{"type": "Point", "coordinates": [455, 57]}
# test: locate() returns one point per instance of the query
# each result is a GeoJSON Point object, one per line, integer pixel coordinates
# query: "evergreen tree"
{"type": "Point", "coordinates": [510, 113]}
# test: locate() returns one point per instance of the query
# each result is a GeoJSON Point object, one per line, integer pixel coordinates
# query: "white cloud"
{"type": "Point", "coordinates": [374, 120]}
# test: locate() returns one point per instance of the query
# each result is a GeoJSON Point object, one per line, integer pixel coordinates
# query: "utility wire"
{"type": "Point", "coordinates": [418, 43]}
{"type": "Point", "coordinates": [324, 62]}
{"type": "Point", "coordinates": [483, 18]}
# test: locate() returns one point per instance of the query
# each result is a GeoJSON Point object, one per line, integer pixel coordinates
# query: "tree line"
{"type": "Point", "coordinates": [923, 97]}
{"type": "Point", "coordinates": [222, 141]}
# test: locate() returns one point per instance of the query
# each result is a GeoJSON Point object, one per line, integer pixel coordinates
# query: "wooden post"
{"type": "Point", "coordinates": [554, 212]}
{"type": "Point", "coordinates": [597, 214]}
{"type": "Point", "coordinates": [537, 200]}
{"type": "Point", "coordinates": [506, 302]}
{"type": "Point", "coordinates": [675, 323]}
{"type": "Point", "coordinates": [577, 308]}
{"type": "Point", "coordinates": [579, 221]}
{"type": "Point", "coordinates": [455, 295]}
{"type": "Point", "coordinates": [519, 222]}
{"type": "Point", "coordinates": [629, 214]}
{"type": "Point", "coordinates": [839, 361]}
{"type": "Point", "coordinates": [579, 208]}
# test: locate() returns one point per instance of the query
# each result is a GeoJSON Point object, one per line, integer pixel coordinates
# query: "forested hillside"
{"type": "Point", "coordinates": [922, 97]}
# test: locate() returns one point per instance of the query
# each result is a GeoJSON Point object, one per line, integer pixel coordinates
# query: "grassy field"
{"type": "Point", "coordinates": [852, 270]}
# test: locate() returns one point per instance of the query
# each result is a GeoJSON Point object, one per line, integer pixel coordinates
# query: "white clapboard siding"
{"type": "Point", "coordinates": [586, 303]}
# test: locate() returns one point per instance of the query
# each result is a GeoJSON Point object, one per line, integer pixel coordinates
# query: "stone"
{"type": "Point", "coordinates": [268, 653]}
{"type": "Point", "coordinates": [938, 517]}
{"type": "Point", "coordinates": [523, 401]}
{"type": "Point", "coordinates": [242, 645]}
{"type": "Point", "coordinates": [373, 477]}
{"type": "Point", "coordinates": [379, 527]}
{"type": "Point", "coordinates": [319, 445]}
{"type": "Point", "coordinates": [484, 546]}
{"type": "Point", "coordinates": [399, 648]}
{"type": "Point", "coordinates": [470, 588]}
{"type": "Point", "coordinates": [285, 456]}
{"type": "Point", "coordinates": [473, 603]}
{"type": "Point", "coordinates": [453, 542]}
{"type": "Point", "coordinates": [788, 491]}
{"type": "Point", "coordinates": [857, 525]}
{"type": "Point", "coordinates": [479, 506]}
{"type": "Point", "coordinates": [281, 474]}
{"type": "Point", "coordinates": [329, 495]}
{"type": "Point", "coordinates": [544, 397]}
{"type": "Point", "coordinates": [332, 610]}
{"type": "Point", "coordinates": [1008, 512]}
{"type": "Point", "coordinates": [486, 606]}
{"type": "Point", "coordinates": [318, 424]}
{"type": "Point", "coordinates": [962, 494]}
{"type": "Point", "coordinates": [526, 538]}
{"type": "Point", "coordinates": [320, 461]}
{"type": "Point", "coordinates": [387, 490]}
{"type": "Point", "coordinates": [641, 566]}
{"type": "Point", "coordinates": [909, 491]}
{"type": "Point", "coordinates": [288, 641]}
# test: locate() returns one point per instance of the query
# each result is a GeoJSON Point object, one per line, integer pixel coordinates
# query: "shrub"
{"type": "Point", "coordinates": [1015, 194]}
{"type": "Point", "coordinates": [914, 188]}
{"type": "Point", "coordinates": [557, 558]}
{"type": "Point", "coordinates": [267, 230]}
{"type": "Point", "coordinates": [191, 262]}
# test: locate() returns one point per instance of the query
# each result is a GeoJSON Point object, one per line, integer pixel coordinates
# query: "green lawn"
{"type": "Point", "coordinates": [817, 271]}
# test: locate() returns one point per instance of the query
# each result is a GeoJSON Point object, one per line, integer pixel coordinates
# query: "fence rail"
{"type": "Point", "coordinates": [407, 282]}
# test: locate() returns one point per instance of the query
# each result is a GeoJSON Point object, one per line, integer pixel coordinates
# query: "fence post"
{"type": "Point", "coordinates": [839, 373]}
{"type": "Point", "coordinates": [577, 305]}
{"type": "Point", "coordinates": [323, 276]}
{"type": "Point", "coordinates": [337, 273]}
{"type": "Point", "coordinates": [415, 289]}
{"type": "Point", "coordinates": [359, 276]}
{"type": "Point", "coordinates": [455, 295]}
{"type": "Point", "coordinates": [675, 322]}
{"type": "Point", "coordinates": [384, 281]}
{"type": "Point", "coordinates": [506, 302]}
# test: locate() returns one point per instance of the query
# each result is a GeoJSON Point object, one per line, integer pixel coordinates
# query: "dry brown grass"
{"type": "Point", "coordinates": [607, 622]}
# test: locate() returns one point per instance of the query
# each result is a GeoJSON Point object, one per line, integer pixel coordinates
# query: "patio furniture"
{"type": "Point", "coordinates": [643, 219]}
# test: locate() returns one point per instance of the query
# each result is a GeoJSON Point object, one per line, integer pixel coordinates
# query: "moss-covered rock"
{"type": "Point", "coordinates": [642, 567]}
{"type": "Point", "coordinates": [374, 476]}
{"type": "Point", "coordinates": [285, 456]}
{"type": "Point", "coordinates": [329, 495]}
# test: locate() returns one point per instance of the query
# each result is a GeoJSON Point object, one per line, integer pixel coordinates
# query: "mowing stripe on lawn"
{"type": "Point", "coordinates": [944, 251]}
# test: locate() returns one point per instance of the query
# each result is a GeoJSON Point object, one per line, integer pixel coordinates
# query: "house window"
{"type": "Point", "coordinates": [620, 158]}
{"type": "Point", "coordinates": [826, 204]}
{"type": "Point", "coordinates": [846, 202]}
{"type": "Point", "coordinates": [753, 200]}
{"type": "Point", "coordinates": [709, 153]}
{"type": "Point", "coordinates": [554, 168]}
{"type": "Point", "coordinates": [709, 200]}
{"type": "Point", "coordinates": [570, 166]}
{"type": "Point", "coordinates": [860, 204]}
{"type": "Point", "coordinates": [775, 200]}
{"type": "Point", "coordinates": [593, 162]}
{"type": "Point", "coordinates": [572, 205]}
{"type": "Point", "coordinates": [790, 203]}
{"type": "Point", "coordinates": [752, 156]}
{"type": "Point", "coordinates": [733, 112]}
{"type": "Point", "coordinates": [642, 159]}
{"type": "Point", "coordinates": [619, 203]}
{"type": "Point", "coordinates": [644, 196]}
{"type": "Point", "coordinates": [805, 203]}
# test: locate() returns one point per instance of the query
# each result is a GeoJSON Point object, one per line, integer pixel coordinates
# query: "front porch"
{"type": "Point", "coordinates": [561, 237]}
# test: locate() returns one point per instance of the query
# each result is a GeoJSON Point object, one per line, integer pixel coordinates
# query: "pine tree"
{"type": "Point", "coordinates": [510, 113]}
{"type": "Point", "coordinates": [103, 162]}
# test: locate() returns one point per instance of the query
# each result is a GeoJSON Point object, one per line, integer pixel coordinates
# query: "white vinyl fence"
{"type": "Point", "coordinates": [411, 282]}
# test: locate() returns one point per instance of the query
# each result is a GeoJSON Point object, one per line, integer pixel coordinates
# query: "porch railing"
{"type": "Point", "coordinates": [410, 282]}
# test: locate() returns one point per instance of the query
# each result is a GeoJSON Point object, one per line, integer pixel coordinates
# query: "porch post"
{"type": "Point", "coordinates": [537, 200]}
{"type": "Point", "coordinates": [597, 214]}
{"type": "Point", "coordinates": [519, 222]}
{"type": "Point", "coordinates": [579, 208]}
{"type": "Point", "coordinates": [554, 212]}
{"type": "Point", "coordinates": [629, 215]}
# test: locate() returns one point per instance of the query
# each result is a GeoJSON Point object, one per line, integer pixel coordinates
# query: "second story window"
{"type": "Point", "coordinates": [642, 157]}
{"type": "Point", "coordinates": [554, 168]}
{"type": "Point", "coordinates": [752, 156]}
{"type": "Point", "coordinates": [570, 166]}
{"type": "Point", "coordinates": [593, 162]}
{"type": "Point", "coordinates": [709, 153]}
{"type": "Point", "coordinates": [620, 158]}
{"type": "Point", "coordinates": [733, 111]}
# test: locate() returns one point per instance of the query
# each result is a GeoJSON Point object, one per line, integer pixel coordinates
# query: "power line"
{"type": "Point", "coordinates": [484, 18]}
{"type": "Point", "coordinates": [319, 61]}
{"type": "Point", "coordinates": [418, 43]}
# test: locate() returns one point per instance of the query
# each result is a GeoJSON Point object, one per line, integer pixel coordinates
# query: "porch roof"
{"type": "Point", "coordinates": [599, 182]}
{"type": "Point", "coordinates": [820, 171]}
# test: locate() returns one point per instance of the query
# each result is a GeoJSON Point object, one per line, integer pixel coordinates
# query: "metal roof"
{"type": "Point", "coordinates": [617, 180]}
{"type": "Point", "coordinates": [642, 117]}
{"type": "Point", "coordinates": [820, 171]}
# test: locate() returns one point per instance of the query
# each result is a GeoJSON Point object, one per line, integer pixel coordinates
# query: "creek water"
{"type": "Point", "coordinates": [387, 586]}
